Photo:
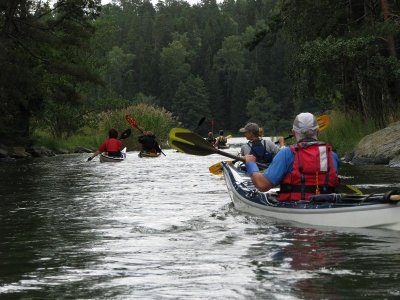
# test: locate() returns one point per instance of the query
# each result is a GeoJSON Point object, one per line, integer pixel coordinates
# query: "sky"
{"type": "Point", "coordinates": [103, 2]}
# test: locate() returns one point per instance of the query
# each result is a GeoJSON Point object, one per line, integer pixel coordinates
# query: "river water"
{"type": "Point", "coordinates": [165, 228]}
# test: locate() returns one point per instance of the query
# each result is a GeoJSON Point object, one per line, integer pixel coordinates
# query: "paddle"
{"type": "Point", "coordinates": [323, 123]}
{"type": "Point", "coordinates": [216, 169]}
{"type": "Point", "coordinates": [200, 122]}
{"type": "Point", "coordinates": [135, 125]}
{"type": "Point", "coordinates": [353, 188]}
{"type": "Point", "coordinates": [189, 142]}
{"type": "Point", "coordinates": [391, 196]}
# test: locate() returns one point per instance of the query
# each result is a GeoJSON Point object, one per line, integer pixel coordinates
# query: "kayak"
{"type": "Point", "coordinates": [105, 158]}
{"type": "Point", "coordinates": [148, 154]}
{"type": "Point", "coordinates": [223, 147]}
{"type": "Point", "coordinates": [337, 210]}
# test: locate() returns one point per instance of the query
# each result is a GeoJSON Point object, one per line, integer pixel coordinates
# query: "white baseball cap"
{"type": "Point", "coordinates": [304, 122]}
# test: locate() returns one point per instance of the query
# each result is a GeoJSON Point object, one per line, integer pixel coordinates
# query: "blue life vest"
{"type": "Point", "coordinates": [259, 150]}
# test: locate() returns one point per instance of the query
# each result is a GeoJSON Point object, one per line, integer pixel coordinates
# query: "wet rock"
{"type": "Point", "coordinates": [62, 151]}
{"type": "Point", "coordinates": [380, 147]}
{"type": "Point", "coordinates": [82, 150]}
{"type": "Point", "coordinates": [395, 162]}
{"type": "Point", "coordinates": [40, 151]}
{"type": "Point", "coordinates": [348, 157]}
{"type": "Point", "coordinates": [3, 153]}
{"type": "Point", "coordinates": [7, 159]}
{"type": "Point", "coordinates": [18, 152]}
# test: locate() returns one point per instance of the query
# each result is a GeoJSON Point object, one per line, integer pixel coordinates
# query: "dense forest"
{"type": "Point", "coordinates": [230, 61]}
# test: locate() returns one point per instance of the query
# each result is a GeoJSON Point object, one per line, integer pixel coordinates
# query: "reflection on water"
{"type": "Point", "coordinates": [164, 228]}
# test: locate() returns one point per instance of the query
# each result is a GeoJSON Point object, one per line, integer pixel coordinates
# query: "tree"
{"type": "Point", "coordinates": [39, 55]}
{"type": "Point", "coordinates": [191, 101]}
{"type": "Point", "coordinates": [174, 70]}
{"type": "Point", "coordinates": [262, 109]}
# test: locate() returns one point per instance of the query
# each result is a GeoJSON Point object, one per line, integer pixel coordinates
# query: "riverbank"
{"type": "Point", "coordinates": [380, 147]}
{"type": "Point", "coordinates": [355, 142]}
{"type": "Point", "coordinates": [19, 152]}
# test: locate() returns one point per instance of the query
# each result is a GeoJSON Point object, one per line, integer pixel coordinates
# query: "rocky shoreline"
{"type": "Point", "coordinates": [379, 148]}
{"type": "Point", "coordinates": [14, 153]}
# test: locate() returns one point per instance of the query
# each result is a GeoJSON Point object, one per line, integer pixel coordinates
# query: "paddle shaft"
{"type": "Point", "coordinates": [395, 198]}
{"type": "Point", "coordinates": [239, 158]}
{"type": "Point", "coordinates": [285, 138]}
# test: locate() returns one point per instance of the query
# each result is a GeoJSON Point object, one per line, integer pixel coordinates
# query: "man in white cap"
{"type": "Point", "coordinates": [302, 170]}
{"type": "Point", "coordinates": [263, 150]}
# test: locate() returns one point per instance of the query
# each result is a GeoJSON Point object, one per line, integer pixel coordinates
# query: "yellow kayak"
{"type": "Point", "coordinates": [148, 154]}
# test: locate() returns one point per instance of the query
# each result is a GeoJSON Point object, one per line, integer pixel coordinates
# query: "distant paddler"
{"type": "Point", "coordinates": [149, 144]}
{"type": "Point", "coordinates": [112, 146]}
{"type": "Point", "coordinates": [222, 141]}
{"type": "Point", "coordinates": [211, 139]}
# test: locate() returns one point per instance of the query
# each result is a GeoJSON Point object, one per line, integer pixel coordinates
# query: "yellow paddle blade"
{"type": "Point", "coordinates": [354, 189]}
{"type": "Point", "coordinates": [216, 169]}
{"type": "Point", "coordinates": [323, 122]}
{"type": "Point", "coordinates": [229, 136]}
{"type": "Point", "coordinates": [173, 136]}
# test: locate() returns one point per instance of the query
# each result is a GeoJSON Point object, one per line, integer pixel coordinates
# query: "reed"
{"type": "Point", "coordinates": [345, 131]}
{"type": "Point", "coordinates": [149, 118]}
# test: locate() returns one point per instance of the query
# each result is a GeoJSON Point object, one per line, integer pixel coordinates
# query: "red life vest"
{"type": "Point", "coordinates": [313, 172]}
{"type": "Point", "coordinates": [111, 145]}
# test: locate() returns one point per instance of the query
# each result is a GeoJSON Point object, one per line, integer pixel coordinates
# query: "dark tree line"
{"type": "Point", "coordinates": [41, 61]}
{"type": "Point", "coordinates": [235, 61]}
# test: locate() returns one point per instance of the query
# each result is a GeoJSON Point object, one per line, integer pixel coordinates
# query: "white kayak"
{"type": "Point", "coordinates": [338, 210]}
{"type": "Point", "coordinates": [105, 158]}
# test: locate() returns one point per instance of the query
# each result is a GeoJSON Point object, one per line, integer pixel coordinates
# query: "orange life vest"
{"type": "Point", "coordinates": [313, 172]}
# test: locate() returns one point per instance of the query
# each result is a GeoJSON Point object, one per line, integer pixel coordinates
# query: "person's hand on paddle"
{"type": "Point", "coordinates": [250, 158]}
{"type": "Point", "coordinates": [281, 141]}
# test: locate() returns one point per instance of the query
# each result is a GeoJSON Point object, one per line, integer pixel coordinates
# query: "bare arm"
{"type": "Point", "coordinates": [259, 180]}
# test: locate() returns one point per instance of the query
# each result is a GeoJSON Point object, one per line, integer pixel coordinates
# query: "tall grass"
{"type": "Point", "coordinates": [345, 131]}
{"type": "Point", "coordinates": [148, 117]}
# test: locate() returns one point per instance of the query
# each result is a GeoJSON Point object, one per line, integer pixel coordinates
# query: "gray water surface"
{"type": "Point", "coordinates": [165, 228]}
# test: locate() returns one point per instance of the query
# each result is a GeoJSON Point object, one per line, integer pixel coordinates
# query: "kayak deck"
{"type": "Point", "coordinates": [335, 210]}
{"type": "Point", "coordinates": [105, 158]}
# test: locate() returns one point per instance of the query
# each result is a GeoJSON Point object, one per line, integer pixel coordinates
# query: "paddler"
{"type": "Point", "coordinates": [112, 146]}
{"type": "Point", "coordinates": [307, 168]}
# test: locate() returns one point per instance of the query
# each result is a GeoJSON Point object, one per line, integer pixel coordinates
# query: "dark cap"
{"type": "Point", "coordinates": [250, 127]}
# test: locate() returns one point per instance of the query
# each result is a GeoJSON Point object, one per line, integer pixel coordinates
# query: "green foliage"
{"type": "Point", "coordinates": [89, 141]}
{"type": "Point", "coordinates": [148, 117]}
{"type": "Point", "coordinates": [346, 49]}
{"type": "Point", "coordinates": [118, 67]}
{"type": "Point", "coordinates": [61, 67]}
{"type": "Point", "coordinates": [191, 101]}
{"type": "Point", "coordinates": [262, 109]}
{"type": "Point", "coordinates": [40, 55]}
{"type": "Point", "coordinates": [345, 131]}
{"type": "Point", "coordinates": [174, 69]}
